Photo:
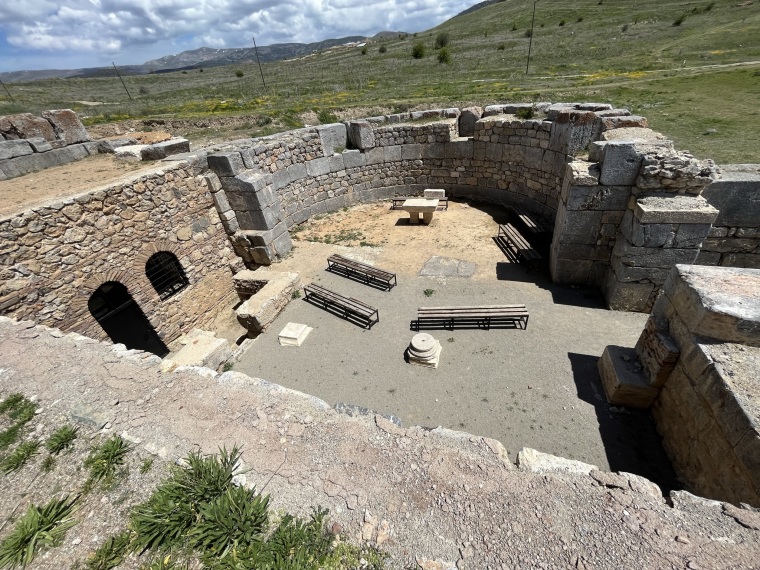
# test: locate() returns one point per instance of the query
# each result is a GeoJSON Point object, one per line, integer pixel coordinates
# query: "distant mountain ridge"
{"type": "Point", "coordinates": [201, 57]}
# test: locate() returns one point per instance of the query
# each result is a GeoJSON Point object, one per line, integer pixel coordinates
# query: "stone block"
{"type": "Point", "coordinates": [258, 312]}
{"type": "Point", "coordinates": [580, 173]}
{"type": "Point", "coordinates": [691, 235]}
{"type": "Point", "coordinates": [67, 126]}
{"type": "Point", "coordinates": [266, 218]}
{"type": "Point", "coordinates": [604, 198]}
{"type": "Point", "coordinates": [632, 274]}
{"type": "Point", "coordinates": [361, 135]}
{"type": "Point", "coordinates": [354, 159]}
{"type": "Point", "coordinates": [411, 152]}
{"type": "Point", "coordinates": [623, 378]}
{"type": "Point", "coordinates": [736, 194]}
{"type": "Point", "coordinates": [159, 151]}
{"type": "Point", "coordinates": [334, 138]}
{"type": "Point", "coordinates": [434, 150]}
{"type": "Point", "coordinates": [336, 163]}
{"type": "Point", "coordinates": [537, 462]}
{"type": "Point", "coordinates": [318, 167]}
{"type": "Point", "coordinates": [620, 122]}
{"type": "Point", "coordinates": [375, 156]}
{"type": "Point", "coordinates": [710, 258]}
{"type": "Point", "coordinates": [722, 303]}
{"type": "Point", "coordinates": [676, 209]}
{"type": "Point", "coordinates": [621, 296]}
{"type": "Point", "coordinates": [578, 226]}
{"type": "Point", "coordinates": [620, 163]}
{"type": "Point", "coordinates": [14, 148]}
{"type": "Point", "coordinates": [39, 144]}
{"type": "Point", "coordinates": [27, 126]}
{"type": "Point", "coordinates": [657, 352]}
{"type": "Point", "coordinates": [666, 258]}
{"type": "Point", "coordinates": [202, 348]}
{"type": "Point", "coordinates": [467, 120]}
{"type": "Point", "coordinates": [221, 202]}
{"type": "Point", "coordinates": [570, 271]}
{"type": "Point", "coordinates": [392, 153]}
{"type": "Point", "coordinates": [434, 193]}
{"type": "Point", "coordinates": [646, 235]}
{"type": "Point", "coordinates": [226, 163]}
{"type": "Point", "coordinates": [282, 244]}
{"type": "Point", "coordinates": [748, 260]}
{"type": "Point", "coordinates": [459, 149]}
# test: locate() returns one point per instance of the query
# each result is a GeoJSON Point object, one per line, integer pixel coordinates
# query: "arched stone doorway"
{"type": "Point", "coordinates": [123, 320]}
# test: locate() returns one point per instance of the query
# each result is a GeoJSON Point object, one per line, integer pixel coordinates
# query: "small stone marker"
{"type": "Point", "coordinates": [434, 193]}
{"type": "Point", "coordinates": [424, 350]}
{"type": "Point", "coordinates": [294, 334]}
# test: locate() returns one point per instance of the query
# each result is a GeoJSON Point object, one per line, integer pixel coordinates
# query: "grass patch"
{"type": "Point", "coordinates": [147, 463]}
{"type": "Point", "coordinates": [39, 528]}
{"type": "Point", "coordinates": [62, 439]}
{"type": "Point", "coordinates": [19, 457]}
{"type": "Point", "coordinates": [428, 292]}
{"type": "Point", "coordinates": [105, 459]}
{"type": "Point", "coordinates": [111, 553]}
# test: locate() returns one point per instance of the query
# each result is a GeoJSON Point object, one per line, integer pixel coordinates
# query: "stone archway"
{"type": "Point", "coordinates": [121, 318]}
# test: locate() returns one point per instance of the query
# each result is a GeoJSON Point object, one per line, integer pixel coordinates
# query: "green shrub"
{"type": "Point", "coordinates": [111, 553]}
{"type": "Point", "coordinates": [239, 73]}
{"type": "Point", "coordinates": [562, 22]}
{"type": "Point", "coordinates": [514, 27]}
{"type": "Point", "coordinates": [40, 527]}
{"type": "Point", "coordinates": [526, 113]}
{"type": "Point", "coordinates": [444, 56]}
{"type": "Point", "coordinates": [62, 439]}
{"type": "Point", "coordinates": [104, 459]}
{"type": "Point", "coordinates": [382, 49]}
{"type": "Point", "coordinates": [364, 50]}
{"type": "Point", "coordinates": [624, 28]}
{"type": "Point", "coordinates": [326, 117]}
{"type": "Point", "coordinates": [501, 47]}
{"type": "Point", "coordinates": [442, 40]}
{"type": "Point", "coordinates": [418, 50]}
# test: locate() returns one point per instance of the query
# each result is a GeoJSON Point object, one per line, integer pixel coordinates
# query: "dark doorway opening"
{"type": "Point", "coordinates": [123, 320]}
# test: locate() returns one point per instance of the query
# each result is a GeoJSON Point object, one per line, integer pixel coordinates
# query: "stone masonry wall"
{"type": "Point", "coordinates": [29, 143]}
{"type": "Point", "coordinates": [53, 258]}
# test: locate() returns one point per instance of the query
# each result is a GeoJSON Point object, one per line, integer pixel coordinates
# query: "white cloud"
{"type": "Point", "coordinates": [97, 30]}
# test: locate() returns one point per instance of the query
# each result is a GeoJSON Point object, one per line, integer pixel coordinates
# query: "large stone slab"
{"type": "Point", "coordinates": [717, 302]}
{"type": "Point", "coordinates": [67, 126]}
{"type": "Point", "coordinates": [159, 151]}
{"type": "Point", "coordinates": [258, 312]}
{"type": "Point", "coordinates": [14, 148]}
{"type": "Point", "coordinates": [334, 137]}
{"type": "Point", "coordinates": [623, 378]}
{"type": "Point", "coordinates": [361, 135]}
{"type": "Point", "coordinates": [202, 348]}
{"type": "Point", "coordinates": [620, 163]}
{"type": "Point", "coordinates": [28, 126]}
{"type": "Point", "coordinates": [677, 209]}
{"type": "Point", "coordinates": [736, 194]}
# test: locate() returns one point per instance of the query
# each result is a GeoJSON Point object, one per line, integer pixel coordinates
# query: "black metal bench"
{"type": "Point", "coordinates": [346, 307]}
{"type": "Point", "coordinates": [361, 272]}
{"type": "Point", "coordinates": [481, 317]}
{"type": "Point", "coordinates": [529, 221]}
{"type": "Point", "coordinates": [398, 202]}
{"type": "Point", "coordinates": [516, 246]}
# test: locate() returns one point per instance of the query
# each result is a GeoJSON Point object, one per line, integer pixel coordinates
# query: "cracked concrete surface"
{"type": "Point", "coordinates": [437, 497]}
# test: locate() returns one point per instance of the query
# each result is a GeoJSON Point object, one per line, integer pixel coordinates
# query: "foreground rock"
{"type": "Point", "coordinates": [436, 498]}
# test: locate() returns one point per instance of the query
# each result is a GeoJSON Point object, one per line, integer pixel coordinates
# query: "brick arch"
{"type": "Point", "coordinates": [78, 315]}
{"type": "Point", "coordinates": [152, 248]}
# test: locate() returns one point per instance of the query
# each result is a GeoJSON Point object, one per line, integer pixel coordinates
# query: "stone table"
{"type": "Point", "coordinates": [417, 206]}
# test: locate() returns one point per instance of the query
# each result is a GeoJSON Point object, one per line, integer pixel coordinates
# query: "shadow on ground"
{"type": "Point", "coordinates": [629, 436]}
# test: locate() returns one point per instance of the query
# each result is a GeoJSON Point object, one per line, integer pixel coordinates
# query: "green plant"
{"type": "Point", "coordinates": [239, 73]}
{"type": "Point", "coordinates": [528, 33]}
{"type": "Point", "coordinates": [514, 27]}
{"type": "Point", "coordinates": [40, 527]}
{"type": "Point", "coordinates": [444, 56]}
{"type": "Point", "coordinates": [364, 50]}
{"type": "Point", "coordinates": [104, 459]}
{"type": "Point", "coordinates": [296, 294]}
{"type": "Point", "coordinates": [624, 28]}
{"type": "Point", "coordinates": [111, 553]}
{"type": "Point", "coordinates": [418, 50]}
{"type": "Point", "coordinates": [526, 113]}
{"type": "Point", "coordinates": [19, 457]}
{"type": "Point", "coordinates": [442, 40]}
{"type": "Point", "coordinates": [580, 19]}
{"type": "Point", "coordinates": [501, 47]}
{"type": "Point", "coordinates": [326, 117]}
{"type": "Point", "coordinates": [562, 22]}
{"type": "Point", "coordinates": [48, 464]}
{"type": "Point", "coordinates": [62, 439]}
{"type": "Point", "coordinates": [382, 49]}
{"type": "Point", "coordinates": [429, 292]}
{"type": "Point", "coordinates": [18, 408]}
{"type": "Point", "coordinates": [147, 463]}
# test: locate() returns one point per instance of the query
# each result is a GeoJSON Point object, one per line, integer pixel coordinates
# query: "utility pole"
{"type": "Point", "coordinates": [8, 92]}
{"type": "Point", "coordinates": [530, 42]}
{"type": "Point", "coordinates": [122, 81]}
{"type": "Point", "coordinates": [256, 50]}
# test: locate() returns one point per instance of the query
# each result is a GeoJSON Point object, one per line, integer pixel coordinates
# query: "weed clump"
{"type": "Point", "coordinates": [442, 40]}
{"type": "Point", "coordinates": [20, 456]}
{"type": "Point", "coordinates": [418, 50]}
{"type": "Point", "coordinates": [106, 458]}
{"type": "Point", "coordinates": [62, 439]}
{"type": "Point", "coordinates": [444, 56]}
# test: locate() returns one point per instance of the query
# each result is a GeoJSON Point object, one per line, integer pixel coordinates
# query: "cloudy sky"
{"type": "Point", "coordinates": [63, 34]}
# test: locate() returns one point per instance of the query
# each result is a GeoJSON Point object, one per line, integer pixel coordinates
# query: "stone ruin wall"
{"type": "Point", "coordinates": [54, 257]}
{"type": "Point", "coordinates": [606, 234]}
{"type": "Point", "coordinates": [697, 365]}
{"type": "Point", "coordinates": [29, 143]}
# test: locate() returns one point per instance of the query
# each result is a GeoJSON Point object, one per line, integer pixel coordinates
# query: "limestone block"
{"type": "Point", "coordinates": [578, 226]}
{"type": "Point", "coordinates": [159, 151]}
{"type": "Point", "coordinates": [392, 153]}
{"type": "Point", "coordinates": [604, 198]}
{"type": "Point", "coordinates": [264, 219]}
{"type": "Point", "coordinates": [361, 135]}
{"type": "Point", "coordinates": [717, 302]}
{"type": "Point", "coordinates": [620, 163]}
{"type": "Point", "coordinates": [130, 151]}
{"type": "Point", "coordinates": [713, 258]}
{"type": "Point", "coordinates": [258, 312]}
{"type": "Point", "coordinates": [14, 148]}
{"type": "Point", "coordinates": [334, 138]}
{"type": "Point", "coordinates": [249, 282]}
{"type": "Point", "coordinates": [226, 163]}
{"type": "Point", "coordinates": [28, 126]}
{"type": "Point", "coordinates": [748, 260]}
{"type": "Point", "coordinates": [623, 378]}
{"type": "Point", "coordinates": [202, 348]}
{"type": "Point", "coordinates": [619, 122]}
{"type": "Point", "coordinates": [318, 167]}
{"type": "Point", "coordinates": [282, 244]}
{"type": "Point", "coordinates": [253, 188]}
{"type": "Point", "coordinates": [467, 120]}
{"type": "Point", "coordinates": [691, 235]}
{"type": "Point", "coordinates": [666, 258]}
{"type": "Point", "coordinates": [221, 202]}
{"type": "Point", "coordinates": [67, 126]}
{"type": "Point", "coordinates": [676, 209]}
{"type": "Point", "coordinates": [646, 235]}
{"type": "Point", "coordinates": [629, 274]}
{"type": "Point", "coordinates": [736, 194]}
{"type": "Point", "coordinates": [39, 144]}
{"type": "Point", "coordinates": [537, 462]}
{"type": "Point", "coordinates": [459, 149]}
{"type": "Point", "coordinates": [657, 352]}
{"type": "Point", "coordinates": [581, 173]}
{"type": "Point", "coordinates": [411, 152]}
{"type": "Point", "coordinates": [353, 159]}
{"type": "Point", "coordinates": [434, 193]}
{"type": "Point", "coordinates": [621, 296]}
{"type": "Point", "coordinates": [336, 163]}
